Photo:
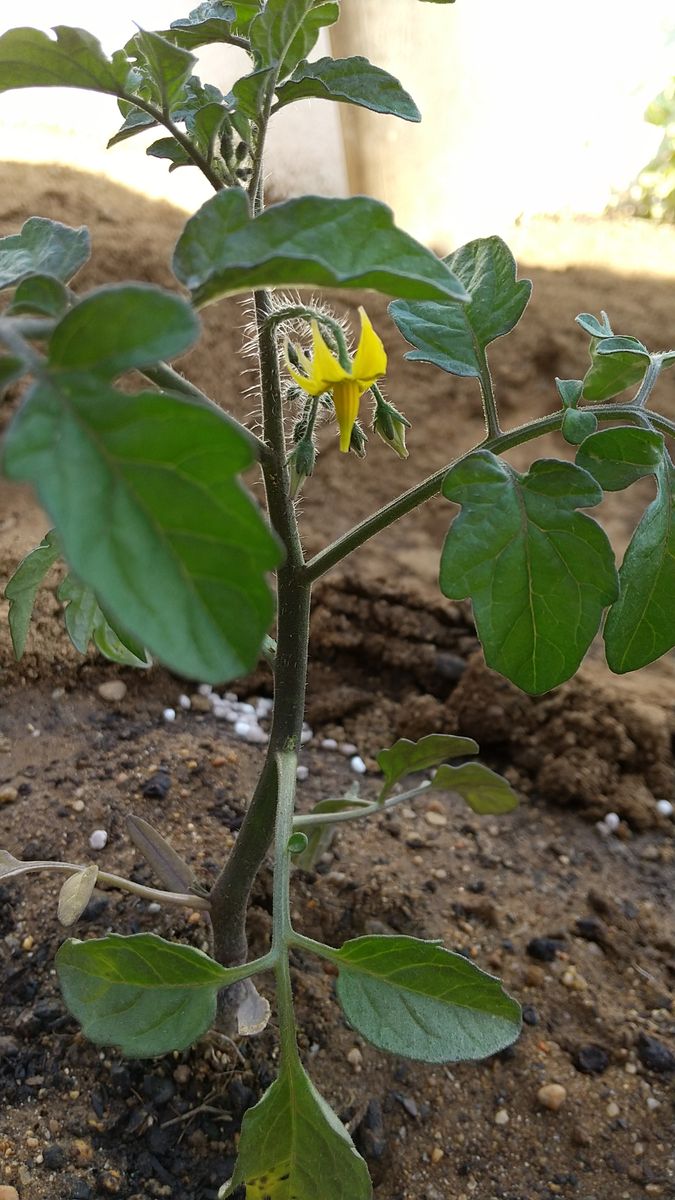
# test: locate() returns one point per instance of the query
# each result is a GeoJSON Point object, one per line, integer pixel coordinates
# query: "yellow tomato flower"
{"type": "Point", "coordinates": [324, 373]}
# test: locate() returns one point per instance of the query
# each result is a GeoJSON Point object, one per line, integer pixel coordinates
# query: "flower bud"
{"type": "Point", "coordinates": [301, 464]}
{"type": "Point", "coordinates": [358, 441]}
{"type": "Point", "coordinates": [391, 425]}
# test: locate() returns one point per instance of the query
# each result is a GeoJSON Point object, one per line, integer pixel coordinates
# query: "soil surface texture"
{"type": "Point", "coordinates": [578, 922]}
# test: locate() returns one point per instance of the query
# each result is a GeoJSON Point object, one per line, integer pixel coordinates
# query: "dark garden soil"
{"type": "Point", "coordinates": [579, 925]}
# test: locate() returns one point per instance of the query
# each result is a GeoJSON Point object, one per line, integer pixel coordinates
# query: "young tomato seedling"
{"type": "Point", "coordinates": [169, 558]}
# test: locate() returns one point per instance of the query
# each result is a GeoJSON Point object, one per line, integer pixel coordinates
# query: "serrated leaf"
{"type": "Point", "coordinates": [454, 337]}
{"type": "Point", "coordinates": [43, 248]}
{"type": "Point", "coordinates": [86, 622]}
{"type": "Point", "coordinates": [350, 81]}
{"type": "Point", "coordinates": [39, 295]}
{"type": "Point", "coordinates": [292, 1146]}
{"type": "Point", "coordinates": [596, 328]}
{"type": "Point", "coordinates": [418, 1000]}
{"type": "Point", "coordinates": [212, 22]}
{"type": "Point", "coordinates": [286, 30]}
{"type": "Point", "coordinates": [406, 756]}
{"type": "Point", "coordinates": [167, 864]}
{"type": "Point", "coordinates": [140, 993]}
{"type": "Point", "coordinates": [121, 326]}
{"type": "Point", "coordinates": [23, 588]}
{"type": "Point", "coordinates": [168, 66]}
{"type": "Point", "coordinates": [311, 240]}
{"type": "Point", "coordinates": [538, 573]}
{"type": "Point", "coordinates": [30, 58]}
{"type": "Point", "coordinates": [482, 789]}
{"type": "Point", "coordinates": [169, 148]}
{"type": "Point", "coordinates": [577, 425]}
{"type": "Point", "coordinates": [251, 90]}
{"type": "Point", "coordinates": [640, 627]}
{"type": "Point", "coordinates": [616, 364]}
{"type": "Point", "coordinates": [618, 457]}
{"type": "Point", "coordinates": [144, 493]}
{"type": "Point", "coordinates": [76, 894]}
{"type": "Point", "coordinates": [135, 121]}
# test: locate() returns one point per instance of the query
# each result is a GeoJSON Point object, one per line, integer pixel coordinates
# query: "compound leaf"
{"type": "Point", "coordinates": [23, 588]}
{"type": "Point", "coordinates": [618, 457]}
{"type": "Point", "coordinates": [122, 326]}
{"type": "Point", "coordinates": [293, 1147]}
{"type": "Point", "coordinates": [311, 240]}
{"type": "Point", "coordinates": [351, 81]}
{"type": "Point", "coordinates": [405, 756]}
{"type": "Point", "coordinates": [640, 627]}
{"type": "Point", "coordinates": [30, 58]}
{"type": "Point", "coordinates": [482, 789]}
{"type": "Point", "coordinates": [144, 493]}
{"type": "Point", "coordinates": [168, 66]}
{"type": "Point", "coordinates": [454, 337]}
{"type": "Point", "coordinates": [43, 248]}
{"type": "Point", "coordinates": [538, 573]}
{"type": "Point", "coordinates": [421, 1001]}
{"type": "Point", "coordinates": [140, 993]}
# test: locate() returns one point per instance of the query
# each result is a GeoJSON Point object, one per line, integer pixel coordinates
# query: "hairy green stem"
{"type": "Point", "coordinates": [492, 426]}
{"type": "Point", "coordinates": [328, 558]}
{"type": "Point", "coordinates": [646, 387]}
{"type": "Point", "coordinates": [183, 140]}
{"type": "Point", "coordinates": [310, 820]}
{"type": "Point", "coordinates": [106, 879]}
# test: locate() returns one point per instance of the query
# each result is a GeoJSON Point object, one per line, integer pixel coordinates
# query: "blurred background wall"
{"type": "Point", "coordinates": [528, 107]}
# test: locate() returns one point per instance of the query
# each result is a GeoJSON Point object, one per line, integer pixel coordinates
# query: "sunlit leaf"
{"type": "Point", "coordinates": [212, 21]}
{"type": "Point", "coordinates": [351, 81]}
{"type": "Point", "coordinates": [418, 1000]}
{"type": "Point", "coordinates": [405, 756]}
{"type": "Point", "coordinates": [168, 66]}
{"type": "Point", "coordinates": [454, 336]}
{"type": "Point", "coordinates": [30, 58]}
{"type": "Point", "coordinates": [617, 363]}
{"type": "Point", "coordinates": [292, 1146]}
{"type": "Point", "coordinates": [43, 248]}
{"type": "Point", "coordinates": [286, 30]}
{"type": "Point", "coordinates": [140, 993]}
{"type": "Point", "coordinates": [311, 240]}
{"type": "Point", "coordinates": [538, 573]}
{"type": "Point", "coordinates": [23, 588]}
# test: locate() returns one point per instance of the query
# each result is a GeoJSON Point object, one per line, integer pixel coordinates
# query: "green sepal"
{"type": "Point", "coordinates": [419, 1000]}
{"type": "Point", "coordinates": [311, 240]}
{"type": "Point", "coordinates": [349, 81]}
{"type": "Point", "coordinates": [23, 586]}
{"type": "Point", "coordinates": [293, 1147]}
{"type": "Point", "coordinates": [406, 756]}
{"type": "Point", "coordinates": [538, 573]}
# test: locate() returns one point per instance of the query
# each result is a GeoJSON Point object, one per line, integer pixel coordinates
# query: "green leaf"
{"type": "Point", "coordinates": [482, 789]}
{"type": "Point", "coordinates": [319, 837]}
{"type": "Point", "coordinates": [169, 148]}
{"type": "Point", "coordinates": [640, 627]}
{"type": "Point", "coordinates": [286, 30]}
{"type": "Point", "coordinates": [212, 22]}
{"type": "Point", "coordinates": [39, 295]}
{"type": "Point", "coordinates": [251, 90]}
{"type": "Point", "coordinates": [618, 457]}
{"type": "Point", "coordinates": [30, 58]}
{"type": "Point", "coordinates": [570, 391]}
{"type": "Point", "coordinates": [85, 621]}
{"type": "Point", "coordinates": [76, 894]}
{"type": "Point", "coordinates": [616, 364]}
{"type": "Point", "coordinates": [405, 756]}
{"type": "Point", "coordinates": [119, 327]}
{"type": "Point", "coordinates": [168, 66]}
{"type": "Point", "coordinates": [11, 369]}
{"type": "Point", "coordinates": [143, 490]}
{"type": "Point", "coordinates": [43, 248]}
{"type": "Point", "coordinates": [454, 337]}
{"type": "Point", "coordinates": [23, 588]}
{"type": "Point", "coordinates": [311, 240]}
{"type": "Point", "coordinates": [293, 1147]}
{"type": "Point", "coordinates": [139, 993]}
{"type": "Point", "coordinates": [351, 81]}
{"type": "Point", "coordinates": [596, 328]}
{"type": "Point", "coordinates": [421, 1001]}
{"type": "Point", "coordinates": [135, 121]}
{"type": "Point", "coordinates": [171, 870]}
{"type": "Point", "coordinates": [577, 425]}
{"type": "Point", "coordinates": [538, 573]}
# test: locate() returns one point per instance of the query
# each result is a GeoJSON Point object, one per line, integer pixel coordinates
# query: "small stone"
{"type": "Point", "coordinates": [544, 949]}
{"type": "Point", "coordinates": [501, 1117]}
{"type": "Point", "coordinates": [355, 1059]}
{"type": "Point", "coordinates": [534, 976]}
{"type": "Point", "coordinates": [54, 1157]}
{"type": "Point", "coordinates": [157, 786]}
{"type": "Point", "coordinates": [184, 702]}
{"type": "Point", "coordinates": [182, 1074]}
{"type": "Point", "coordinates": [110, 1182]}
{"type": "Point", "coordinates": [654, 1055]}
{"type": "Point", "coordinates": [301, 773]}
{"type": "Point", "coordinates": [552, 1096]}
{"type": "Point", "coordinates": [664, 808]}
{"type": "Point", "coordinates": [613, 1109]}
{"type": "Point", "coordinates": [158, 1089]}
{"type": "Point", "coordinates": [437, 1154]}
{"type": "Point", "coordinates": [435, 818]}
{"type": "Point", "coordinates": [199, 703]}
{"type": "Point", "coordinates": [8, 794]}
{"type": "Point", "coordinates": [28, 943]}
{"type": "Point", "coordinates": [328, 744]}
{"type": "Point", "coordinates": [306, 735]}
{"type": "Point", "coordinates": [169, 715]}
{"type": "Point", "coordinates": [591, 1060]}
{"type": "Point", "coordinates": [98, 839]}
{"type": "Point", "coordinates": [530, 1014]}
{"type": "Point", "coordinates": [113, 690]}
{"type": "Point", "coordinates": [8, 1193]}
{"type": "Point", "coordinates": [357, 765]}
{"type": "Point", "coordinates": [347, 748]}
{"type": "Point", "coordinates": [612, 821]}
{"type": "Point", "coordinates": [82, 1151]}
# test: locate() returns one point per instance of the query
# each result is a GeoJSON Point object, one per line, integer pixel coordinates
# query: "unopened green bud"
{"type": "Point", "coordinates": [391, 425]}
{"type": "Point", "coordinates": [358, 441]}
{"type": "Point", "coordinates": [301, 464]}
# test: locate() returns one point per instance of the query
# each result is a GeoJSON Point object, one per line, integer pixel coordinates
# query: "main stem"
{"type": "Point", "coordinates": [230, 895]}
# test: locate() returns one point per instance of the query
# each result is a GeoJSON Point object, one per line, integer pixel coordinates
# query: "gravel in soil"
{"type": "Point", "coordinates": [580, 1107]}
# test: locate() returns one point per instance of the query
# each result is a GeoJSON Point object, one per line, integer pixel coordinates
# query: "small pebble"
{"type": "Point", "coordinates": [552, 1096]}
{"type": "Point", "coordinates": [306, 735]}
{"type": "Point", "coordinates": [301, 773]}
{"type": "Point", "coordinates": [8, 1193]}
{"type": "Point", "coordinates": [436, 1155]}
{"type": "Point", "coordinates": [501, 1117]}
{"type": "Point", "coordinates": [98, 839]}
{"type": "Point", "coordinates": [328, 744]}
{"type": "Point", "coordinates": [613, 1109]}
{"type": "Point", "coordinates": [544, 949]}
{"type": "Point", "coordinates": [655, 1055]}
{"type": "Point", "coordinates": [355, 1059]}
{"type": "Point", "coordinates": [8, 794]}
{"type": "Point", "coordinates": [664, 807]}
{"type": "Point", "coordinates": [347, 748]}
{"type": "Point", "coordinates": [250, 732]}
{"type": "Point", "coordinates": [591, 1060]}
{"type": "Point", "coordinates": [205, 689]}
{"type": "Point", "coordinates": [169, 714]}
{"type": "Point", "coordinates": [612, 821]}
{"type": "Point", "coordinates": [357, 764]}
{"type": "Point", "coordinates": [184, 701]}
{"type": "Point", "coordinates": [435, 818]}
{"type": "Point", "coordinates": [112, 690]}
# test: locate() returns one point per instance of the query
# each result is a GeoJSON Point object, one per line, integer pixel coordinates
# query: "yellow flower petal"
{"type": "Point", "coordinates": [370, 360]}
{"type": "Point", "coordinates": [325, 365]}
{"type": "Point", "coordinates": [346, 397]}
{"type": "Point", "coordinates": [309, 385]}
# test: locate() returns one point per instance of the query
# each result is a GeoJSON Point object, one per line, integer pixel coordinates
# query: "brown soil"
{"type": "Point", "coordinates": [390, 659]}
